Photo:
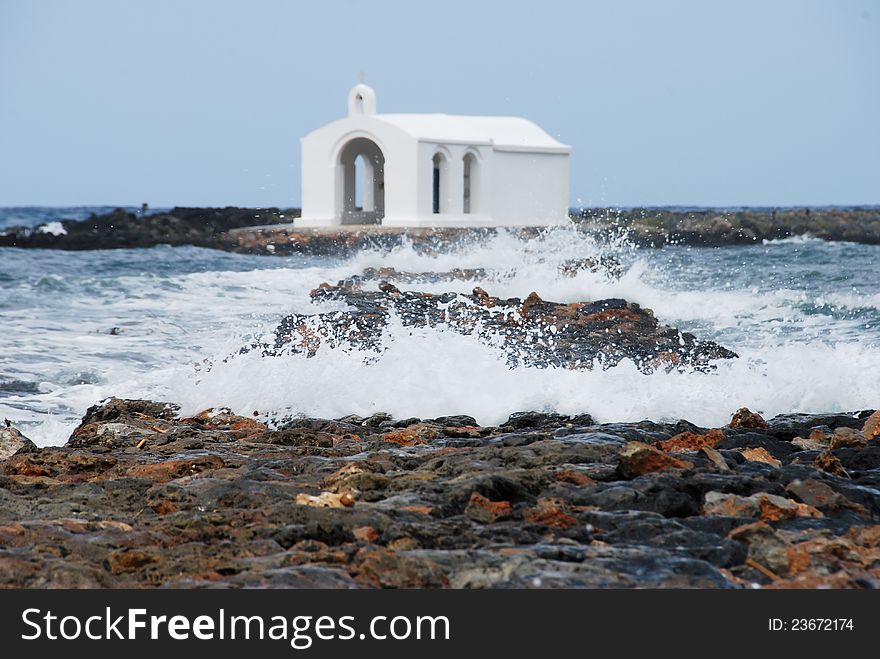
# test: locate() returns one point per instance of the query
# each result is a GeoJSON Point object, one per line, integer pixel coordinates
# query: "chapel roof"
{"type": "Point", "coordinates": [502, 132]}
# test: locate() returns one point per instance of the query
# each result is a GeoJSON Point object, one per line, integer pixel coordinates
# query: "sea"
{"type": "Point", "coordinates": [167, 324]}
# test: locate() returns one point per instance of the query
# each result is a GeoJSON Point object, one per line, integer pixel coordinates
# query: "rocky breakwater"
{"type": "Point", "coordinates": [272, 231]}
{"type": "Point", "coordinates": [530, 331]}
{"type": "Point", "coordinates": [202, 227]}
{"type": "Point", "coordinates": [140, 497]}
{"type": "Point", "coordinates": [656, 227]}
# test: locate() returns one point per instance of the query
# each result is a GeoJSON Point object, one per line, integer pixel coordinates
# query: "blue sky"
{"type": "Point", "coordinates": [770, 102]}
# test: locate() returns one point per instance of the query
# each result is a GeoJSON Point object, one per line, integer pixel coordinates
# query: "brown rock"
{"type": "Point", "coordinates": [820, 435]}
{"type": "Point", "coordinates": [347, 470]}
{"type": "Point", "coordinates": [528, 303]}
{"type": "Point", "coordinates": [838, 580]}
{"type": "Point", "coordinates": [162, 472]}
{"type": "Point", "coordinates": [25, 467]}
{"type": "Point", "coordinates": [716, 458]}
{"type": "Point", "coordinates": [223, 419]}
{"type": "Point", "coordinates": [766, 547]}
{"type": "Point", "coordinates": [810, 444]}
{"type": "Point", "coordinates": [829, 463]}
{"type": "Point", "coordinates": [326, 500]}
{"type": "Point", "coordinates": [164, 507]}
{"type": "Point", "coordinates": [760, 455]}
{"type": "Point", "coordinates": [390, 569]}
{"type": "Point", "coordinates": [688, 441]}
{"type": "Point", "coordinates": [293, 437]}
{"type": "Point", "coordinates": [550, 512]}
{"type": "Point", "coordinates": [768, 507]}
{"type": "Point", "coordinates": [365, 534]}
{"type": "Point", "coordinates": [574, 477]}
{"type": "Point", "coordinates": [820, 495]}
{"type": "Point", "coordinates": [129, 560]}
{"type": "Point", "coordinates": [729, 505]}
{"type": "Point", "coordinates": [419, 433]}
{"type": "Point", "coordinates": [638, 458]}
{"type": "Point", "coordinates": [481, 509]}
{"type": "Point", "coordinates": [871, 429]}
{"type": "Point", "coordinates": [848, 438]}
{"type": "Point", "coordinates": [774, 508]}
{"type": "Point", "coordinates": [745, 418]}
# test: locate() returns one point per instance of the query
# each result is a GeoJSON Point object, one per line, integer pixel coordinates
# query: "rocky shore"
{"type": "Point", "coordinates": [273, 231]}
{"type": "Point", "coordinates": [139, 497]}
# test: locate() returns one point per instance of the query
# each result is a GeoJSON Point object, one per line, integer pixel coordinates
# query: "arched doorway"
{"type": "Point", "coordinates": [362, 198]}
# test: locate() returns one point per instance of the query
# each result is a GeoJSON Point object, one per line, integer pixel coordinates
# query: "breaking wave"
{"type": "Point", "coordinates": [167, 324]}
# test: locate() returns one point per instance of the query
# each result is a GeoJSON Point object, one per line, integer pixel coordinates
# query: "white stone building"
{"type": "Point", "coordinates": [419, 170]}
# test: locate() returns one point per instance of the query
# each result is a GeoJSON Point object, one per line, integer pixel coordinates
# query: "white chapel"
{"type": "Point", "coordinates": [431, 170]}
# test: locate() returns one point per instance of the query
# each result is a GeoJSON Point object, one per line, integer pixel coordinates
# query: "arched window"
{"type": "Point", "coordinates": [439, 184]}
{"type": "Point", "coordinates": [471, 179]}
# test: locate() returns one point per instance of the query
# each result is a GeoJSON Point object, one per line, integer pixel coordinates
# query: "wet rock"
{"type": "Point", "coordinates": [769, 507]}
{"type": "Point", "coordinates": [420, 433]}
{"type": "Point", "coordinates": [637, 459]}
{"type": "Point", "coordinates": [139, 498]}
{"type": "Point", "coordinates": [817, 441]}
{"type": "Point", "coordinates": [716, 458]}
{"type": "Point", "coordinates": [533, 331]}
{"type": "Point", "coordinates": [745, 418]}
{"type": "Point", "coordinates": [768, 551]}
{"type": "Point", "coordinates": [871, 428]}
{"type": "Point", "coordinates": [819, 495]}
{"type": "Point", "coordinates": [688, 441]}
{"type": "Point", "coordinates": [757, 444]}
{"type": "Point", "coordinates": [759, 454]}
{"type": "Point", "coordinates": [789, 426]}
{"type": "Point", "coordinates": [550, 512]}
{"type": "Point", "coordinates": [520, 420]}
{"type": "Point", "coordinates": [481, 509]}
{"type": "Point", "coordinates": [604, 263]}
{"type": "Point", "coordinates": [848, 438]}
{"type": "Point", "coordinates": [830, 463]}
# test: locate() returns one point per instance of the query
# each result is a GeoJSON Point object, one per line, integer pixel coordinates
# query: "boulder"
{"type": "Point", "coordinates": [638, 459]}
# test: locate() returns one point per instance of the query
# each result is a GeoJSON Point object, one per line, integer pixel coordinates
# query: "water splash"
{"type": "Point", "coordinates": [803, 315]}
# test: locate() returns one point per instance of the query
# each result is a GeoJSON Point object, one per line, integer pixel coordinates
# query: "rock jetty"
{"type": "Point", "coordinates": [656, 227]}
{"type": "Point", "coordinates": [273, 231]}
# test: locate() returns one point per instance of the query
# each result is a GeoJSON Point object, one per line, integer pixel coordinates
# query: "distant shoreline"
{"type": "Point", "coordinates": [273, 230]}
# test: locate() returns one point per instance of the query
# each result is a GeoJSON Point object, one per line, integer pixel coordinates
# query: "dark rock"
{"type": "Point", "coordinates": [656, 227]}
{"type": "Point", "coordinates": [745, 418]}
{"type": "Point", "coordinates": [789, 426]}
{"type": "Point", "coordinates": [140, 498]}
{"type": "Point", "coordinates": [584, 334]}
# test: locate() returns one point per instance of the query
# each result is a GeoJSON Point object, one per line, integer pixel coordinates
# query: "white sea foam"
{"type": "Point", "coordinates": [427, 374]}
{"type": "Point", "coordinates": [52, 228]}
{"type": "Point", "coordinates": [170, 326]}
